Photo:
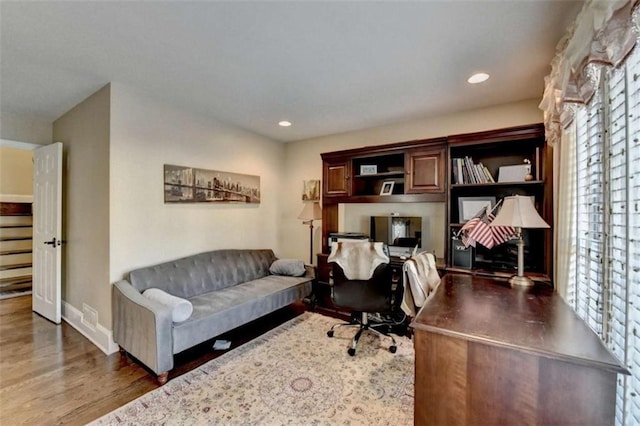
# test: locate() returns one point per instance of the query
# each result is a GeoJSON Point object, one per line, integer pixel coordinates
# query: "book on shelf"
{"type": "Point", "coordinates": [467, 166]}
{"type": "Point", "coordinates": [465, 171]}
{"type": "Point", "coordinates": [487, 173]}
{"type": "Point", "coordinates": [454, 170]}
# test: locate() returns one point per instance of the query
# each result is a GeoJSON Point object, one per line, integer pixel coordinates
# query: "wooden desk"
{"type": "Point", "coordinates": [487, 353]}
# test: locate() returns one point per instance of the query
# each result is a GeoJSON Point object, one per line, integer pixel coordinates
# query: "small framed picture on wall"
{"type": "Point", "coordinates": [311, 190]}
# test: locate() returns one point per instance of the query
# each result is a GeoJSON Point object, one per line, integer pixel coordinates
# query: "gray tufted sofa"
{"type": "Point", "coordinates": [227, 288]}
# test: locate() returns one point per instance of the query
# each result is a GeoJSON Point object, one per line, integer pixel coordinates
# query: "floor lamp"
{"type": "Point", "coordinates": [309, 213]}
{"type": "Point", "coordinates": [519, 212]}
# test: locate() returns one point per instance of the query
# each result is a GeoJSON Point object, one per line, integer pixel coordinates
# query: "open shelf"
{"type": "Point", "coordinates": [371, 172]}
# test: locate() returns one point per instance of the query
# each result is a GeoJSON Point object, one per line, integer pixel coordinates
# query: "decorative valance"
{"type": "Point", "coordinates": [604, 33]}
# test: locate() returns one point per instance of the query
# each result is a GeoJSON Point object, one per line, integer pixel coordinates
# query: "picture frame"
{"type": "Point", "coordinates": [468, 207]}
{"type": "Point", "coordinates": [368, 169]}
{"type": "Point", "coordinates": [515, 173]}
{"type": "Point", "coordinates": [184, 184]}
{"type": "Point", "coordinates": [311, 190]}
{"type": "Point", "coordinates": [387, 188]}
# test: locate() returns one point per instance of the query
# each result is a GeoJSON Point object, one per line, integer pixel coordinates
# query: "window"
{"type": "Point", "coordinates": [605, 289]}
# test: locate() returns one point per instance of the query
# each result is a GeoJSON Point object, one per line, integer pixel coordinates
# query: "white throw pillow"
{"type": "Point", "coordinates": [181, 308]}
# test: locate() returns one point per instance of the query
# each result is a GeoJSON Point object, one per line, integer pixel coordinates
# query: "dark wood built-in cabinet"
{"type": "Point", "coordinates": [493, 150]}
{"type": "Point", "coordinates": [416, 168]}
{"type": "Point", "coordinates": [421, 171]}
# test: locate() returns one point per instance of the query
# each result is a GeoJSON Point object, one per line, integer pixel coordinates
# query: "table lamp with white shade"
{"type": "Point", "coordinates": [519, 212]}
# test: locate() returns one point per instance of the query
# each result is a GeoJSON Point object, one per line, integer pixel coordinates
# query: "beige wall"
{"type": "Point", "coordinates": [16, 171]}
{"type": "Point", "coordinates": [84, 132]}
{"type": "Point", "coordinates": [117, 141]}
{"type": "Point", "coordinates": [115, 219]}
{"type": "Point", "coordinates": [145, 135]}
{"type": "Point", "coordinates": [303, 162]}
{"type": "Point", "coordinates": [25, 129]}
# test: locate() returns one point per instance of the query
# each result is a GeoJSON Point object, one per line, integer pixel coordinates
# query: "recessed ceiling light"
{"type": "Point", "coordinates": [478, 78]}
{"type": "Point", "coordinates": [284, 123]}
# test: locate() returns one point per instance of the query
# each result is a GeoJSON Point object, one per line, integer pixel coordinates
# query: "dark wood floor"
{"type": "Point", "coordinates": [51, 374]}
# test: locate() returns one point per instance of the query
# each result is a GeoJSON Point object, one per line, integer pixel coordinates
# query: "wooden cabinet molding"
{"type": "Point", "coordinates": [509, 134]}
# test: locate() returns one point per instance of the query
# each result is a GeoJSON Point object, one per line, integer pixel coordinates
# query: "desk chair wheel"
{"type": "Point", "coordinates": [330, 333]}
{"type": "Point", "coordinates": [352, 351]}
{"type": "Point", "coordinates": [393, 349]}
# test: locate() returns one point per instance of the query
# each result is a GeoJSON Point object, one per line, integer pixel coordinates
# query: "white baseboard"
{"type": "Point", "coordinates": [98, 335]}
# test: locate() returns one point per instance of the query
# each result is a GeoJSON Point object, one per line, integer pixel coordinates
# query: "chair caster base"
{"type": "Point", "coordinates": [393, 349]}
{"type": "Point", "coordinates": [330, 333]}
{"type": "Point", "coordinates": [352, 352]}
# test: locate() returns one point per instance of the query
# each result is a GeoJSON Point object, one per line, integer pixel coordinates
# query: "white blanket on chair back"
{"type": "Point", "coordinates": [421, 278]}
{"type": "Point", "coordinates": [358, 259]}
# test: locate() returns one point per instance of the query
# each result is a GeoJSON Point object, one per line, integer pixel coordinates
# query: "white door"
{"type": "Point", "coordinates": [47, 231]}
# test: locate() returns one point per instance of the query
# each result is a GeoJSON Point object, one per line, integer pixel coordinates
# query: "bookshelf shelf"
{"type": "Point", "coordinates": [398, 174]}
{"type": "Point", "coordinates": [496, 184]}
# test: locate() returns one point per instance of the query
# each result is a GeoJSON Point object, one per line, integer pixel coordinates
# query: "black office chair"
{"type": "Point", "coordinates": [364, 297]}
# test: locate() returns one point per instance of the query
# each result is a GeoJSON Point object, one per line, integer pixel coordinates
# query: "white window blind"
{"type": "Point", "coordinates": [632, 268]}
{"type": "Point", "coordinates": [589, 233]}
{"type": "Point", "coordinates": [606, 291]}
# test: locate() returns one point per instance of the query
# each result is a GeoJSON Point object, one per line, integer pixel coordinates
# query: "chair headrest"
{"type": "Point", "coordinates": [358, 259]}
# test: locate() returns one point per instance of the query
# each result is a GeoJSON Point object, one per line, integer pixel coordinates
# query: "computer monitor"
{"type": "Point", "coordinates": [402, 234]}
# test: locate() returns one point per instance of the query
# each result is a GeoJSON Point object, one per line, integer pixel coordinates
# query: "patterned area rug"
{"type": "Point", "coordinates": [293, 374]}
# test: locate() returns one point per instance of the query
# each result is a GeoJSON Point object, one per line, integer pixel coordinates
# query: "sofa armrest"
{"type": "Point", "coordinates": [142, 327]}
{"type": "Point", "coordinates": [310, 271]}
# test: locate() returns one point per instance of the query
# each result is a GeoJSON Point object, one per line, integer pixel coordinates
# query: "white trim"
{"type": "Point", "coordinates": [8, 143]}
{"type": "Point", "coordinates": [16, 198]}
{"type": "Point", "coordinates": [98, 335]}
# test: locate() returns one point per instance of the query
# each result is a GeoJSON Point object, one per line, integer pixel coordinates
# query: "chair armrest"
{"type": "Point", "coordinates": [142, 327]}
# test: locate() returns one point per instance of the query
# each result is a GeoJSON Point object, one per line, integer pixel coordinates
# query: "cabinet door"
{"type": "Point", "coordinates": [425, 170]}
{"type": "Point", "coordinates": [336, 178]}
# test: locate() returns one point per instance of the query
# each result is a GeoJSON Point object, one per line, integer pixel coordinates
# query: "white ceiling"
{"type": "Point", "coordinates": [328, 67]}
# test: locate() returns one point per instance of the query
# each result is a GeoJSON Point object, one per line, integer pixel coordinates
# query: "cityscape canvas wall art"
{"type": "Point", "coordinates": [191, 185]}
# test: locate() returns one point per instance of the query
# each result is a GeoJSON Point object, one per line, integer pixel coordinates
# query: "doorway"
{"type": "Point", "coordinates": [16, 197]}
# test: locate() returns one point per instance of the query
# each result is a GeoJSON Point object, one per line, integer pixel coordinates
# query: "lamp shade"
{"type": "Point", "coordinates": [519, 211]}
{"type": "Point", "coordinates": [311, 211]}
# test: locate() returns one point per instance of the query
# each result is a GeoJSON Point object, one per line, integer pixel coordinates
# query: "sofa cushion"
{"type": "Point", "coordinates": [290, 267]}
{"type": "Point", "coordinates": [219, 311]}
{"type": "Point", "coordinates": [204, 272]}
